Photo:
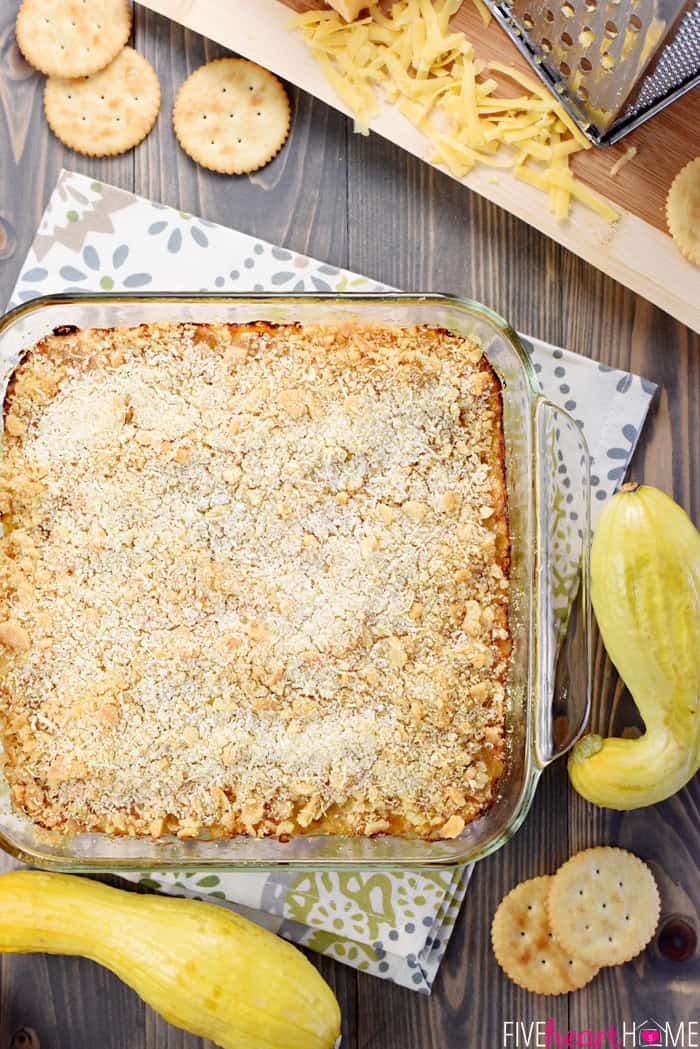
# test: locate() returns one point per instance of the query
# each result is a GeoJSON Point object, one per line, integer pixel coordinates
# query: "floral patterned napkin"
{"type": "Point", "coordinates": [96, 237]}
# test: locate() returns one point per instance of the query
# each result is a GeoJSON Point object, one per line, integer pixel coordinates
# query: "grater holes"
{"type": "Point", "coordinates": [567, 10]}
{"type": "Point", "coordinates": [591, 5]}
{"type": "Point", "coordinates": [635, 23]}
{"type": "Point", "coordinates": [546, 45]}
{"type": "Point", "coordinates": [548, 15]}
{"type": "Point", "coordinates": [566, 40]}
{"type": "Point", "coordinates": [528, 21]}
{"type": "Point", "coordinates": [586, 36]}
{"type": "Point", "coordinates": [607, 62]}
{"type": "Point", "coordinates": [585, 65]}
{"type": "Point", "coordinates": [610, 29]}
{"type": "Point", "coordinates": [565, 69]}
{"type": "Point", "coordinates": [583, 94]}
{"type": "Point", "coordinates": [678, 62]}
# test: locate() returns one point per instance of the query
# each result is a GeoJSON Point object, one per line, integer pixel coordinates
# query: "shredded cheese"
{"type": "Point", "coordinates": [554, 178]}
{"type": "Point", "coordinates": [628, 155]}
{"type": "Point", "coordinates": [483, 11]}
{"type": "Point", "coordinates": [349, 9]}
{"type": "Point", "coordinates": [408, 55]}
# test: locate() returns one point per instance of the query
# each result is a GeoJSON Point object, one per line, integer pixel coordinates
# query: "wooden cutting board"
{"type": "Point", "coordinates": [636, 250]}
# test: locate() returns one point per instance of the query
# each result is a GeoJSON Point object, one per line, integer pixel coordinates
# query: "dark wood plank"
{"type": "Point", "coordinates": [66, 1002]}
{"type": "Point", "coordinates": [412, 227]}
{"type": "Point", "coordinates": [364, 204]}
{"type": "Point", "coordinates": [30, 157]}
{"type": "Point", "coordinates": [298, 200]}
{"type": "Point", "coordinates": [667, 835]}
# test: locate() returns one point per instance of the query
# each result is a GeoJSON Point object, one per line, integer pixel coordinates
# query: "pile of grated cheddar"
{"type": "Point", "coordinates": [409, 55]}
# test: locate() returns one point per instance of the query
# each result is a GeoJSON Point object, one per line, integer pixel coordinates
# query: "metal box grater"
{"type": "Point", "coordinates": [612, 63]}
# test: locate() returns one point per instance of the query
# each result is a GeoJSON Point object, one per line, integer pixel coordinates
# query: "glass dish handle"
{"type": "Point", "coordinates": [563, 609]}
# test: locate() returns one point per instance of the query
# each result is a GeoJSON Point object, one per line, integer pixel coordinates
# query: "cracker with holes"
{"type": "Point", "coordinates": [525, 947]}
{"type": "Point", "coordinates": [108, 112]}
{"type": "Point", "coordinates": [603, 906]}
{"type": "Point", "coordinates": [72, 38]}
{"type": "Point", "coordinates": [683, 210]}
{"type": "Point", "coordinates": [231, 116]}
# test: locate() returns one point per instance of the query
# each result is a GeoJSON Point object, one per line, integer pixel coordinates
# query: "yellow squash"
{"type": "Point", "coordinates": [645, 586]}
{"type": "Point", "coordinates": [201, 966]}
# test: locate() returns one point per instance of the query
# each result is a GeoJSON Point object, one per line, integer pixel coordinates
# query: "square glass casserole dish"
{"type": "Point", "coordinates": [547, 475]}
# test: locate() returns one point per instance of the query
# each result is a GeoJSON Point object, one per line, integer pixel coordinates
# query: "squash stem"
{"type": "Point", "coordinates": [588, 746]}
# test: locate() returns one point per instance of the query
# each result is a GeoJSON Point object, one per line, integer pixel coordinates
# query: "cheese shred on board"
{"type": "Point", "coordinates": [465, 106]}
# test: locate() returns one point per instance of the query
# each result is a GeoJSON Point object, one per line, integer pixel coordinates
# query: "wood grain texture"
{"type": "Point", "coordinates": [631, 250]}
{"type": "Point", "coordinates": [663, 146]}
{"type": "Point", "coordinates": [368, 205]}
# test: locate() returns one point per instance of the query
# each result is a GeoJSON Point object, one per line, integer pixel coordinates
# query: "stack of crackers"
{"type": "Point", "coordinates": [551, 935]}
{"type": "Point", "coordinates": [102, 97]}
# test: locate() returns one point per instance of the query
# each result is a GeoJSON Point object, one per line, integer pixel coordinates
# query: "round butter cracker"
{"type": "Point", "coordinates": [524, 945]}
{"type": "Point", "coordinates": [231, 116]}
{"type": "Point", "coordinates": [72, 38]}
{"type": "Point", "coordinates": [683, 210]}
{"type": "Point", "coordinates": [108, 112]}
{"type": "Point", "coordinates": [603, 906]}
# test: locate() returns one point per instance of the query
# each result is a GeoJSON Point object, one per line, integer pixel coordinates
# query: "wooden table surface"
{"type": "Point", "coordinates": [363, 204]}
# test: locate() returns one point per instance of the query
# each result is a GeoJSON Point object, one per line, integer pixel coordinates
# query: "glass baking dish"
{"type": "Point", "coordinates": [547, 466]}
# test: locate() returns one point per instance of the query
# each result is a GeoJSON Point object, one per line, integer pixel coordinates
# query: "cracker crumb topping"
{"type": "Point", "coordinates": [254, 579]}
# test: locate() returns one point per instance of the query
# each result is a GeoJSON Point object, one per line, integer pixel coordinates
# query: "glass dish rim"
{"type": "Point", "coordinates": [533, 768]}
{"type": "Point", "coordinates": [472, 305]}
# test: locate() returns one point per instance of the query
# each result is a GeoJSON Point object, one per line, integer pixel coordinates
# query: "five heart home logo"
{"type": "Point", "coordinates": [649, 1032]}
{"type": "Point", "coordinates": [641, 1034]}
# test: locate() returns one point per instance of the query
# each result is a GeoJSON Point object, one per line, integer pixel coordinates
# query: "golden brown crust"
{"type": "Point", "coordinates": [254, 579]}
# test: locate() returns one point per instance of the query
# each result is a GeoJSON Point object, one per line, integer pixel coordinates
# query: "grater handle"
{"type": "Point", "coordinates": [563, 612]}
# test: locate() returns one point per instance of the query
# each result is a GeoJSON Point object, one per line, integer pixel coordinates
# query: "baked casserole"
{"type": "Point", "coordinates": [254, 581]}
